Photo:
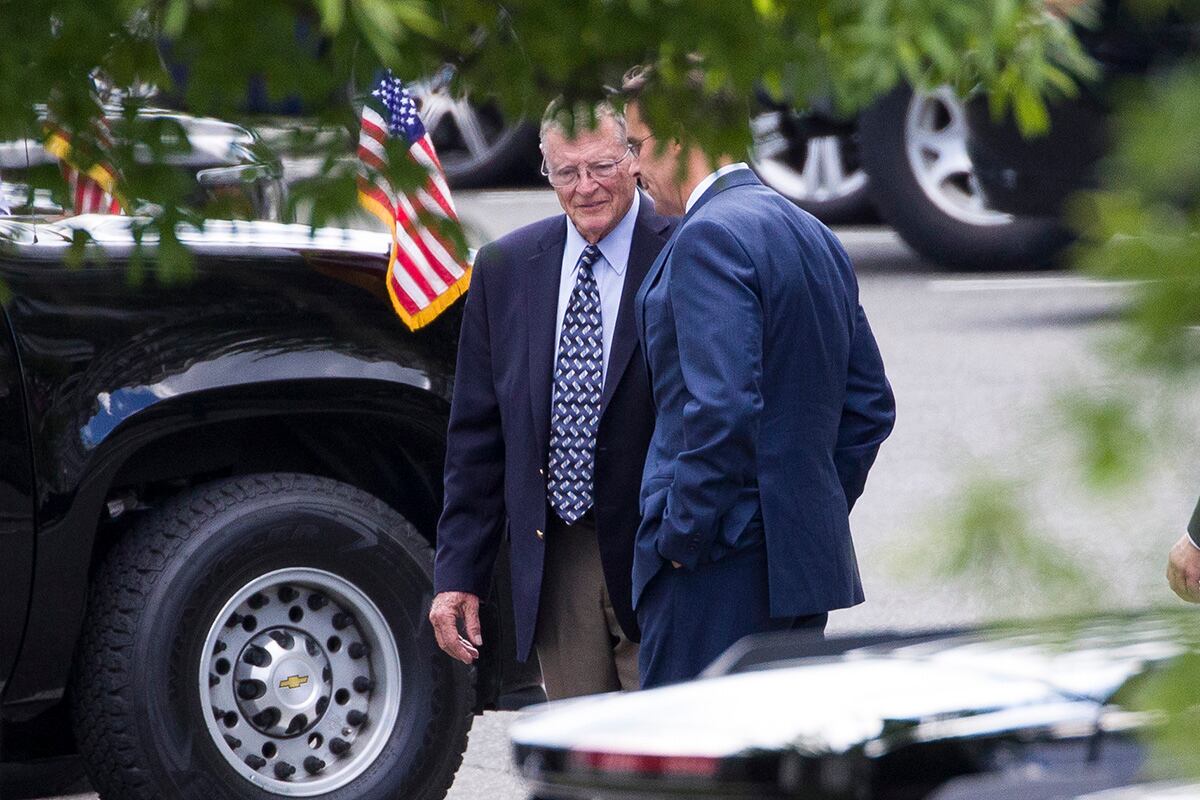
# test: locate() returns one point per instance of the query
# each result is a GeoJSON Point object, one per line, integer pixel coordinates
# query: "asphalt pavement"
{"type": "Point", "coordinates": [979, 363]}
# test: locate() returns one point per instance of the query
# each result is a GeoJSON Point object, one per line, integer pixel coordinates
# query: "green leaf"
{"type": "Point", "coordinates": [1030, 110]}
{"type": "Point", "coordinates": [333, 14]}
{"type": "Point", "coordinates": [175, 17]}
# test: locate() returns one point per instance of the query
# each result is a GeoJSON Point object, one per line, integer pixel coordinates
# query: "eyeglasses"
{"type": "Point", "coordinates": [599, 170]}
{"type": "Point", "coordinates": [635, 146]}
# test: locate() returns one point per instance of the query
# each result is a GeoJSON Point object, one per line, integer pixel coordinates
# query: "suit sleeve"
{"type": "Point", "coordinates": [719, 325]}
{"type": "Point", "coordinates": [472, 521]}
{"type": "Point", "coordinates": [869, 412]}
{"type": "Point", "coordinates": [1194, 526]}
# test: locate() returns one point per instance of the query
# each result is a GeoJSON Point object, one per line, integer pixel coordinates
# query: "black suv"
{"type": "Point", "coordinates": [218, 500]}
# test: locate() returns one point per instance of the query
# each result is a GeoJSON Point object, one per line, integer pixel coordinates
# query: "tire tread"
{"type": "Point", "coordinates": [103, 708]}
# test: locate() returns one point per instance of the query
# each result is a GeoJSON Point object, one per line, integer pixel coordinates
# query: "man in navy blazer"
{"type": "Point", "coordinates": [546, 382]}
{"type": "Point", "coordinates": [771, 405]}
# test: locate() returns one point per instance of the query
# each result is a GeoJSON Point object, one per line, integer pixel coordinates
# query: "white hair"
{"type": "Point", "coordinates": [552, 121]}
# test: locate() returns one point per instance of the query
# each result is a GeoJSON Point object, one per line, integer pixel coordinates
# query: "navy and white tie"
{"type": "Point", "coordinates": [578, 383]}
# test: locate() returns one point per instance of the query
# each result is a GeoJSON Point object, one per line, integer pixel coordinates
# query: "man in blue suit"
{"type": "Point", "coordinates": [550, 421]}
{"type": "Point", "coordinates": [771, 405]}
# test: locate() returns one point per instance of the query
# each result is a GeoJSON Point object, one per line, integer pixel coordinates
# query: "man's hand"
{"type": "Point", "coordinates": [448, 608]}
{"type": "Point", "coordinates": [1183, 570]}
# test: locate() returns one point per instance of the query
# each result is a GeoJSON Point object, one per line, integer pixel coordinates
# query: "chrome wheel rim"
{"type": "Point", "coordinates": [461, 131]}
{"type": "Point", "coordinates": [935, 139]}
{"type": "Point", "coordinates": [823, 170]}
{"type": "Point", "coordinates": [300, 682]}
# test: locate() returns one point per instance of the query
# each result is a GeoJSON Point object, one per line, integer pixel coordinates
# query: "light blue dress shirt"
{"type": "Point", "coordinates": [609, 272]}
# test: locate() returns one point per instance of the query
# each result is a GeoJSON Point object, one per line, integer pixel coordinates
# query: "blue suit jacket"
{"type": "Point", "coordinates": [770, 394]}
{"type": "Point", "coordinates": [498, 442]}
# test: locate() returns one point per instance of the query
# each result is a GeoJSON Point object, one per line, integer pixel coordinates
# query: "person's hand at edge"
{"type": "Point", "coordinates": [1183, 569]}
{"type": "Point", "coordinates": [447, 609]}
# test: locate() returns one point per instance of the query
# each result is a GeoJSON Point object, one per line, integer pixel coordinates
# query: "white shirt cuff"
{"type": "Point", "coordinates": [1191, 541]}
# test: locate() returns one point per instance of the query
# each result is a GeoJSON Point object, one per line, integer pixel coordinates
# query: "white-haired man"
{"type": "Point", "coordinates": [550, 422]}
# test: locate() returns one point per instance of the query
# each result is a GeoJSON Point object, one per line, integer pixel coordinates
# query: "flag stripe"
{"type": "Point", "coordinates": [399, 293]}
{"type": "Point", "coordinates": [452, 262]}
{"type": "Point", "coordinates": [435, 176]}
{"type": "Point", "coordinates": [438, 201]}
{"type": "Point", "coordinates": [431, 312]}
{"type": "Point", "coordinates": [421, 292]}
{"type": "Point", "coordinates": [370, 193]}
{"type": "Point", "coordinates": [372, 118]}
{"type": "Point", "coordinates": [372, 131]}
{"type": "Point", "coordinates": [372, 160]}
{"type": "Point", "coordinates": [411, 222]}
{"type": "Point", "coordinates": [426, 145]}
{"type": "Point", "coordinates": [420, 266]}
{"type": "Point", "coordinates": [373, 146]}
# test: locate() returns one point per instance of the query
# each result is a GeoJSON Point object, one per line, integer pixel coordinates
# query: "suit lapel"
{"type": "Point", "coordinates": [541, 297]}
{"type": "Point", "coordinates": [648, 236]}
{"type": "Point", "coordinates": [651, 277]}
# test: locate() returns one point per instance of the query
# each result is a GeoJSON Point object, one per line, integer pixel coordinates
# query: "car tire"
{"type": "Point", "coordinates": [172, 692]}
{"type": "Point", "coordinates": [821, 174]}
{"type": "Point", "coordinates": [913, 146]}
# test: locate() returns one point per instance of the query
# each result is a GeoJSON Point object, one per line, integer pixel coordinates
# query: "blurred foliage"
{"type": "Point", "coordinates": [225, 57]}
{"type": "Point", "coordinates": [1169, 694]}
{"type": "Point", "coordinates": [1140, 226]}
{"type": "Point", "coordinates": [983, 536]}
{"type": "Point", "coordinates": [1116, 445]}
{"type": "Point", "coordinates": [1144, 224]}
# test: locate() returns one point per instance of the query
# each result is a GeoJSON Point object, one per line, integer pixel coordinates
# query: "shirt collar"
{"type": "Point", "coordinates": [615, 246]}
{"type": "Point", "coordinates": [699, 191]}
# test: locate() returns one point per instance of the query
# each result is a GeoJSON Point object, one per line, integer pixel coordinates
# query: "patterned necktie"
{"type": "Point", "coordinates": [575, 413]}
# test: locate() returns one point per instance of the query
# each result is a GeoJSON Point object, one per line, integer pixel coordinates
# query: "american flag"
{"type": "Point", "coordinates": [426, 271]}
{"type": "Point", "coordinates": [93, 190]}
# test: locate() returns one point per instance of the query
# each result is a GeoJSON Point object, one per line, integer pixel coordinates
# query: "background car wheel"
{"type": "Point", "coordinates": [476, 145]}
{"type": "Point", "coordinates": [914, 147]}
{"type": "Point", "coordinates": [821, 174]}
{"type": "Point", "coordinates": [267, 636]}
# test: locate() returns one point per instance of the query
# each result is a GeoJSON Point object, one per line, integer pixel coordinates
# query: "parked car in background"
{"type": "Point", "coordinates": [904, 157]}
{"type": "Point", "coordinates": [1035, 175]}
{"type": "Point", "coordinates": [225, 161]}
{"type": "Point", "coordinates": [1035, 712]}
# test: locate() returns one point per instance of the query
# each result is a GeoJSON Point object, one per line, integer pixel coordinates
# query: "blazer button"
{"type": "Point", "coordinates": [539, 534]}
{"type": "Point", "coordinates": [541, 472]}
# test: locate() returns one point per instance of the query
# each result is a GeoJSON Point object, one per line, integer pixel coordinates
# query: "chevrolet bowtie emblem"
{"type": "Point", "coordinates": [294, 682]}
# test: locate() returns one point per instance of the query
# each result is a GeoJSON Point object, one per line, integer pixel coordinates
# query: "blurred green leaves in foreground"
{"type": "Point", "coordinates": [1141, 225]}
{"type": "Point", "coordinates": [1144, 224]}
{"type": "Point", "coordinates": [984, 537]}
{"type": "Point", "coordinates": [210, 56]}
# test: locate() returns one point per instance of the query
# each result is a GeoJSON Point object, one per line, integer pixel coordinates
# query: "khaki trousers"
{"type": "Point", "coordinates": [581, 647]}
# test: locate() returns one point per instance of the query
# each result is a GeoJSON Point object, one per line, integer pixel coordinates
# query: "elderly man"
{"type": "Point", "coordinates": [771, 405]}
{"type": "Point", "coordinates": [550, 421]}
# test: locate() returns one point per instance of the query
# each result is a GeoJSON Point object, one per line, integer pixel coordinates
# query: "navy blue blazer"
{"type": "Point", "coordinates": [499, 436]}
{"type": "Point", "coordinates": [770, 393]}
